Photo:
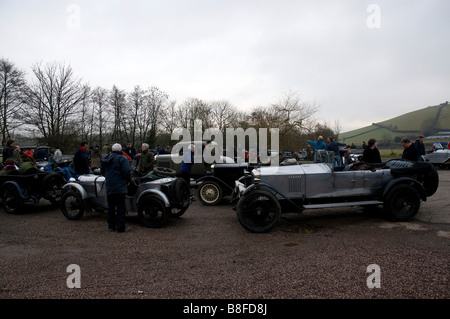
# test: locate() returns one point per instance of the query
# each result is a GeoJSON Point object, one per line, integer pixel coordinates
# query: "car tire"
{"type": "Point", "coordinates": [401, 203]}
{"type": "Point", "coordinates": [12, 202]}
{"type": "Point", "coordinates": [209, 193]}
{"type": "Point", "coordinates": [51, 184]}
{"type": "Point", "coordinates": [182, 194]}
{"type": "Point", "coordinates": [164, 171]}
{"type": "Point", "coordinates": [431, 181]}
{"type": "Point", "coordinates": [72, 205]}
{"type": "Point", "coordinates": [258, 211]}
{"type": "Point", "coordinates": [151, 211]}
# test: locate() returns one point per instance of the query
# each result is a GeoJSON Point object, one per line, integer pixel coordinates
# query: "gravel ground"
{"type": "Point", "coordinates": [206, 254]}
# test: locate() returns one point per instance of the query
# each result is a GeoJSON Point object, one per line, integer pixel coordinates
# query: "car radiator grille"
{"type": "Point", "coordinates": [294, 183]}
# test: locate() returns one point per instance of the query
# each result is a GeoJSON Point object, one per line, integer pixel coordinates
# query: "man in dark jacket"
{"type": "Point", "coordinates": [81, 160]}
{"type": "Point", "coordinates": [116, 169]}
{"type": "Point", "coordinates": [409, 152]}
{"type": "Point", "coordinates": [8, 150]}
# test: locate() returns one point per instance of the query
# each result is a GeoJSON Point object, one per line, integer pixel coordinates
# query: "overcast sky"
{"type": "Point", "coordinates": [360, 61]}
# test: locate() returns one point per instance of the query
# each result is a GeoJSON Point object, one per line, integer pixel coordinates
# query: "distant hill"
{"type": "Point", "coordinates": [428, 121]}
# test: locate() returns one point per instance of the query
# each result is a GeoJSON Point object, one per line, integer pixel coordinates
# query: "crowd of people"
{"type": "Point", "coordinates": [412, 151]}
{"type": "Point", "coordinates": [17, 162]}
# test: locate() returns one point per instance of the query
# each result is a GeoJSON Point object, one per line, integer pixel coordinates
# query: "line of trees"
{"type": "Point", "coordinates": [60, 109]}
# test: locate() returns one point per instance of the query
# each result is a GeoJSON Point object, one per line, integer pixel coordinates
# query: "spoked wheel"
{"type": "Point", "coordinates": [209, 193]}
{"type": "Point", "coordinates": [402, 203]}
{"type": "Point", "coordinates": [72, 205]}
{"type": "Point", "coordinates": [11, 201]}
{"type": "Point", "coordinates": [151, 211]}
{"type": "Point", "coordinates": [258, 211]}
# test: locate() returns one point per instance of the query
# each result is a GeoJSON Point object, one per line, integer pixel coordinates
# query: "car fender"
{"type": "Point", "coordinates": [273, 191]}
{"type": "Point", "coordinates": [77, 187]}
{"type": "Point", "coordinates": [23, 191]}
{"type": "Point", "coordinates": [406, 180]}
{"type": "Point", "coordinates": [159, 193]}
{"type": "Point", "coordinates": [214, 179]}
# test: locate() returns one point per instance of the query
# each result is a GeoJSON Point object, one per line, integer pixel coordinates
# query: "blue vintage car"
{"type": "Point", "coordinates": [17, 189]}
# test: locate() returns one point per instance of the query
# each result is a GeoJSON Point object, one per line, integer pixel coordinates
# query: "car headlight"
{"type": "Point", "coordinates": [256, 176]}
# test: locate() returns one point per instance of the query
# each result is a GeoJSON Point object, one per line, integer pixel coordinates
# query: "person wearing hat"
{"type": "Point", "coordinates": [116, 169]}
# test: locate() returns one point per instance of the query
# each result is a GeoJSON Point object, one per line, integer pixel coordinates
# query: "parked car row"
{"type": "Point", "coordinates": [154, 197]}
{"type": "Point", "coordinates": [259, 194]}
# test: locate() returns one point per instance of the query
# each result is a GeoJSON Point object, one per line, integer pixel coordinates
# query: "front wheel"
{"type": "Point", "coordinates": [402, 203]}
{"type": "Point", "coordinates": [72, 205]}
{"type": "Point", "coordinates": [209, 193]}
{"type": "Point", "coordinates": [151, 211]}
{"type": "Point", "coordinates": [258, 211]}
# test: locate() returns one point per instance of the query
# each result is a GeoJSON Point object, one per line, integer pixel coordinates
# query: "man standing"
{"type": "Point", "coordinates": [146, 161]}
{"type": "Point", "coordinates": [420, 147]}
{"type": "Point", "coordinates": [319, 144]}
{"type": "Point", "coordinates": [8, 150]}
{"type": "Point", "coordinates": [409, 152]}
{"type": "Point", "coordinates": [116, 169]}
{"type": "Point", "coordinates": [186, 163]}
{"type": "Point", "coordinates": [81, 160]}
{"type": "Point", "coordinates": [334, 146]}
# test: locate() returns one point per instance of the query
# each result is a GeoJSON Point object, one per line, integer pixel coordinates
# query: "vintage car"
{"type": "Point", "coordinates": [154, 197]}
{"type": "Point", "coordinates": [173, 161]}
{"type": "Point", "coordinates": [439, 157]}
{"type": "Point", "coordinates": [398, 185]}
{"type": "Point", "coordinates": [219, 182]}
{"type": "Point", "coordinates": [17, 189]}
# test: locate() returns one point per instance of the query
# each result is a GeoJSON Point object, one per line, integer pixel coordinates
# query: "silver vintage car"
{"type": "Point", "coordinates": [260, 197]}
{"type": "Point", "coordinates": [154, 197]}
{"type": "Point", "coordinates": [439, 157]}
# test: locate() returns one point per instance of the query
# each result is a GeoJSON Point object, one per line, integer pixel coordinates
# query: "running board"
{"type": "Point", "coordinates": [344, 204]}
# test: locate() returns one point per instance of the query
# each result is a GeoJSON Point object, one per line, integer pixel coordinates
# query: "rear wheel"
{"type": "Point", "coordinates": [151, 211]}
{"type": "Point", "coordinates": [52, 187]}
{"type": "Point", "coordinates": [258, 211]}
{"type": "Point", "coordinates": [402, 203]}
{"type": "Point", "coordinates": [11, 201]}
{"type": "Point", "coordinates": [182, 195]}
{"type": "Point", "coordinates": [72, 205]}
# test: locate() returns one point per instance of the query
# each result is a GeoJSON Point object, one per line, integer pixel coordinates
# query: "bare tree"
{"type": "Point", "coordinates": [117, 100]}
{"type": "Point", "coordinates": [136, 103]}
{"type": "Point", "coordinates": [290, 115]}
{"type": "Point", "coordinates": [156, 101]}
{"type": "Point", "coordinates": [12, 82]}
{"type": "Point", "coordinates": [54, 100]}
{"type": "Point", "coordinates": [222, 113]}
{"type": "Point", "coordinates": [101, 112]}
{"type": "Point", "coordinates": [169, 119]}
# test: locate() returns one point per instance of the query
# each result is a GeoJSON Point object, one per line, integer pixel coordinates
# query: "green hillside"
{"type": "Point", "coordinates": [428, 121]}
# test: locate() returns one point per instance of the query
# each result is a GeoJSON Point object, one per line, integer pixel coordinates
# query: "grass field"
{"type": "Point", "coordinates": [410, 125]}
{"type": "Point", "coordinates": [390, 153]}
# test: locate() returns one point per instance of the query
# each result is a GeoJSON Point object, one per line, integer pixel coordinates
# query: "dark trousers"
{"type": "Point", "coordinates": [116, 221]}
{"type": "Point", "coordinates": [187, 177]}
